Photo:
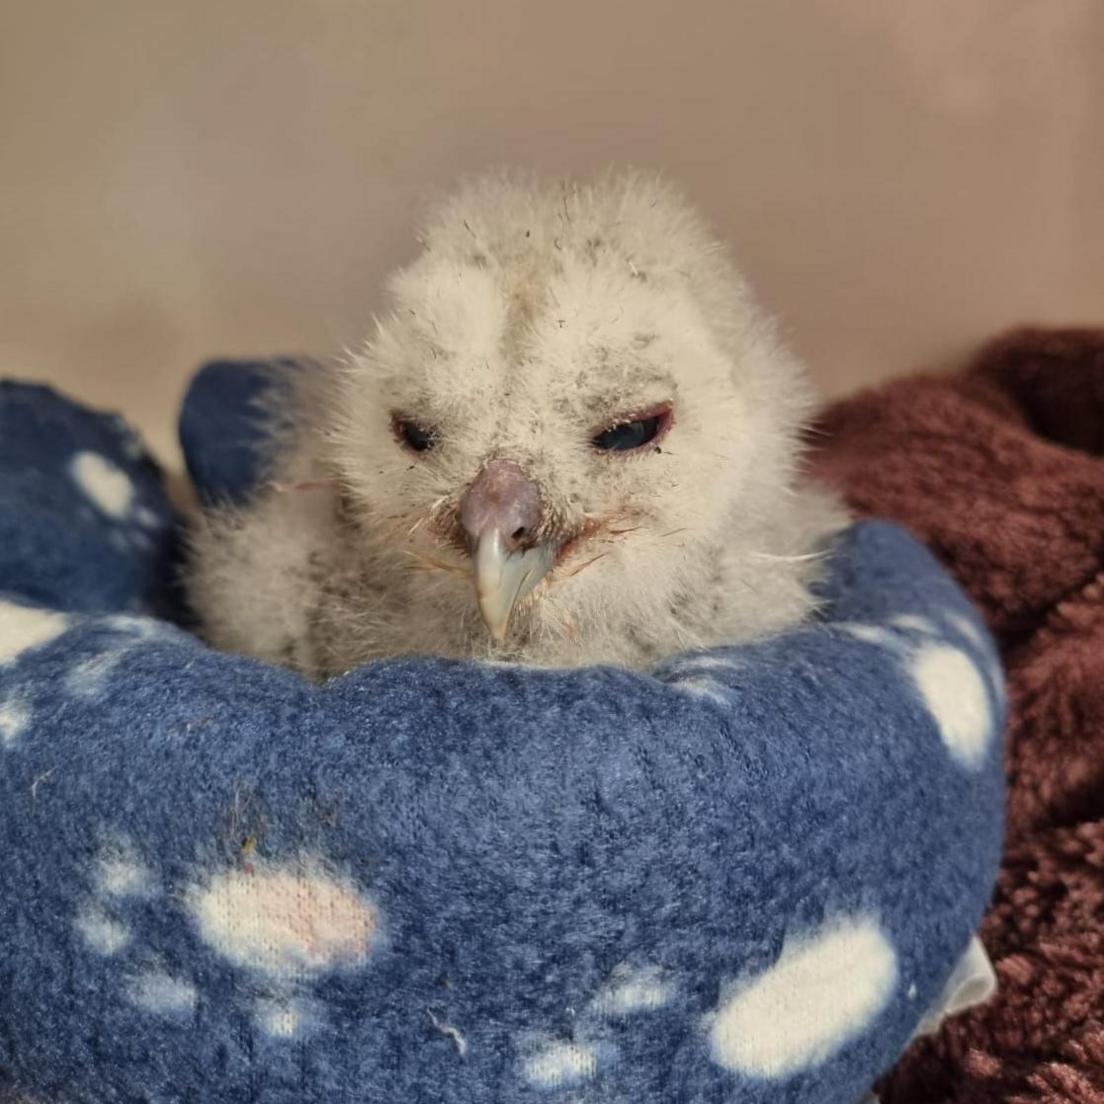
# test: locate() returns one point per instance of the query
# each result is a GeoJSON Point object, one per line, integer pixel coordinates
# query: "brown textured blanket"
{"type": "Point", "coordinates": [1001, 470]}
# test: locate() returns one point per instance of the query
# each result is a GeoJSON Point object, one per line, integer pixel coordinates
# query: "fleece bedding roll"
{"type": "Point", "coordinates": [753, 873]}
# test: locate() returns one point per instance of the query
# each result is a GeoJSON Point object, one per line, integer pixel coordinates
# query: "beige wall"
{"type": "Point", "coordinates": [899, 177]}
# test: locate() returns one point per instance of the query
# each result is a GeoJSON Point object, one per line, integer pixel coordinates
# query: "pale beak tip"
{"type": "Point", "coordinates": [505, 578]}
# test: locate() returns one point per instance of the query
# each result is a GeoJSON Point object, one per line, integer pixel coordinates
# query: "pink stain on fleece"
{"type": "Point", "coordinates": [286, 921]}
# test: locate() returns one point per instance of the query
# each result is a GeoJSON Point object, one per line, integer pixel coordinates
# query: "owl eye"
{"type": "Point", "coordinates": [418, 438]}
{"type": "Point", "coordinates": [634, 434]}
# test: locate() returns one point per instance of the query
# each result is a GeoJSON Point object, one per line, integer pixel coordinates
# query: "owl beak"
{"type": "Point", "coordinates": [501, 514]}
{"type": "Point", "coordinates": [504, 577]}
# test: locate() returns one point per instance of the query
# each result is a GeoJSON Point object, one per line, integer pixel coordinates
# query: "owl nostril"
{"type": "Point", "coordinates": [521, 538]}
{"type": "Point", "coordinates": [504, 499]}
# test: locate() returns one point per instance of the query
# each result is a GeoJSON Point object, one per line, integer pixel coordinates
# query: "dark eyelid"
{"type": "Point", "coordinates": [662, 411]}
{"type": "Point", "coordinates": [411, 434]}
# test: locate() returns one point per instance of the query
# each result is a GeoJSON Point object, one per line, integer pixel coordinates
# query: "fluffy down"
{"type": "Point", "coordinates": [536, 317]}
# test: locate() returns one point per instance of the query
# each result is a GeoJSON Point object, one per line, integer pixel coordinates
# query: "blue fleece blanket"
{"type": "Point", "coordinates": [747, 875]}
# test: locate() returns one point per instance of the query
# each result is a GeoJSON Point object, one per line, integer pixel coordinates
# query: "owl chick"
{"type": "Point", "coordinates": [573, 439]}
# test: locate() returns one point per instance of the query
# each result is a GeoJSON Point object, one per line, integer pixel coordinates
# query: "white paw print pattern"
{"type": "Point", "coordinates": [287, 1016]}
{"type": "Point", "coordinates": [632, 991]}
{"type": "Point", "coordinates": [159, 992]}
{"type": "Point", "coordinates": [88, 677]}
{"type": "Point", "coordinates": [101, 932]}
{"type": "Point", "coordinates": [956, 696]}
{"type": "Point", "coordinates": [551, 1063]}
{"type": "Point", "coordinates": [284, 924]}
{"type": "Point", "coordinates": [15, 717]}
{"type": "Point", "coordinates": [825, 990]}
{"type": "Point", "coordinates": [117, 875]}
{"type": "Point", "coordinates": [966, 629]}
{"type": "Point", "coordinates": [959, 686]}
{"type": "Point", "coordinates": [106, 485]}
{"type": "Point", "coordinates": [914, 622]}
{"type": "Point", "coordinates": [25, 629]}
{"type": "Point", "coordinates": [111, 492]}
{"type": "Point", "coordinates": [554, 1065]}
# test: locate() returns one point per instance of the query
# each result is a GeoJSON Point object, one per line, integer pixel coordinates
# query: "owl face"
{"type": "Point", "coordinates": [563, 415]}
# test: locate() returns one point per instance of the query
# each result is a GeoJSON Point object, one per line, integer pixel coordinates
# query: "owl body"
{"type": "Point", "coordinates": [574, 439]}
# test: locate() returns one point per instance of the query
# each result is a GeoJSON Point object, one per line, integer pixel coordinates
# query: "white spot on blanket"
{"type": "Point", "coordinates": [156, 991]}
{"type": "Point", "coordinates": [709, 663]}
{"type": "Point", "coordinates": [87, 678]}
{"type": "Point", "coordinates": [106, 485]}
{"type": "Point", "coordinates": [869, 634]}
{"type": "Point", "coordinates": [146, 628]}
{"type": "Point", "coordinates": [126, 623]}
{"type": "Point", "coordinates": [284, 1018]}
{"type": "Point", "coordinates": [703, 687]}
{"type": "Point", "coordinates": [633, 991]}
{"type": "Point", "coordinates": [24, 627]}
{"type": "Point", "coordinates": [913, 622]}
{"type": "Point", "coordinates": [103, 934]}
{"type": "Point", "coordinates": [561, 1064]}
{"type": "Point", "coordinates": [15, 716]}
{"type": "Point", "coordinates": [146, 517]}
{"type": "Point", "coordinates": [119, 873]}
{"type": "Point", "coordinates": [824, 991]}
{"type": "Point", "coordinates": [287, 922]}
{"type": "Point", "coordinates": [966, 628]}
{"type": "Point", "coordinates": [954, 692]}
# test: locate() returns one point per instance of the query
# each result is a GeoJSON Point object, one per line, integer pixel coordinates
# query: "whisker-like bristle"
{"type": "Point", "coordinates": [432, 564]}
{"type": "Point", "coordinates": [803, 558]}
{"type": "Point", "coordinates": [302, 485]}
{"type": "Point", "coordinates": [583, 566]}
